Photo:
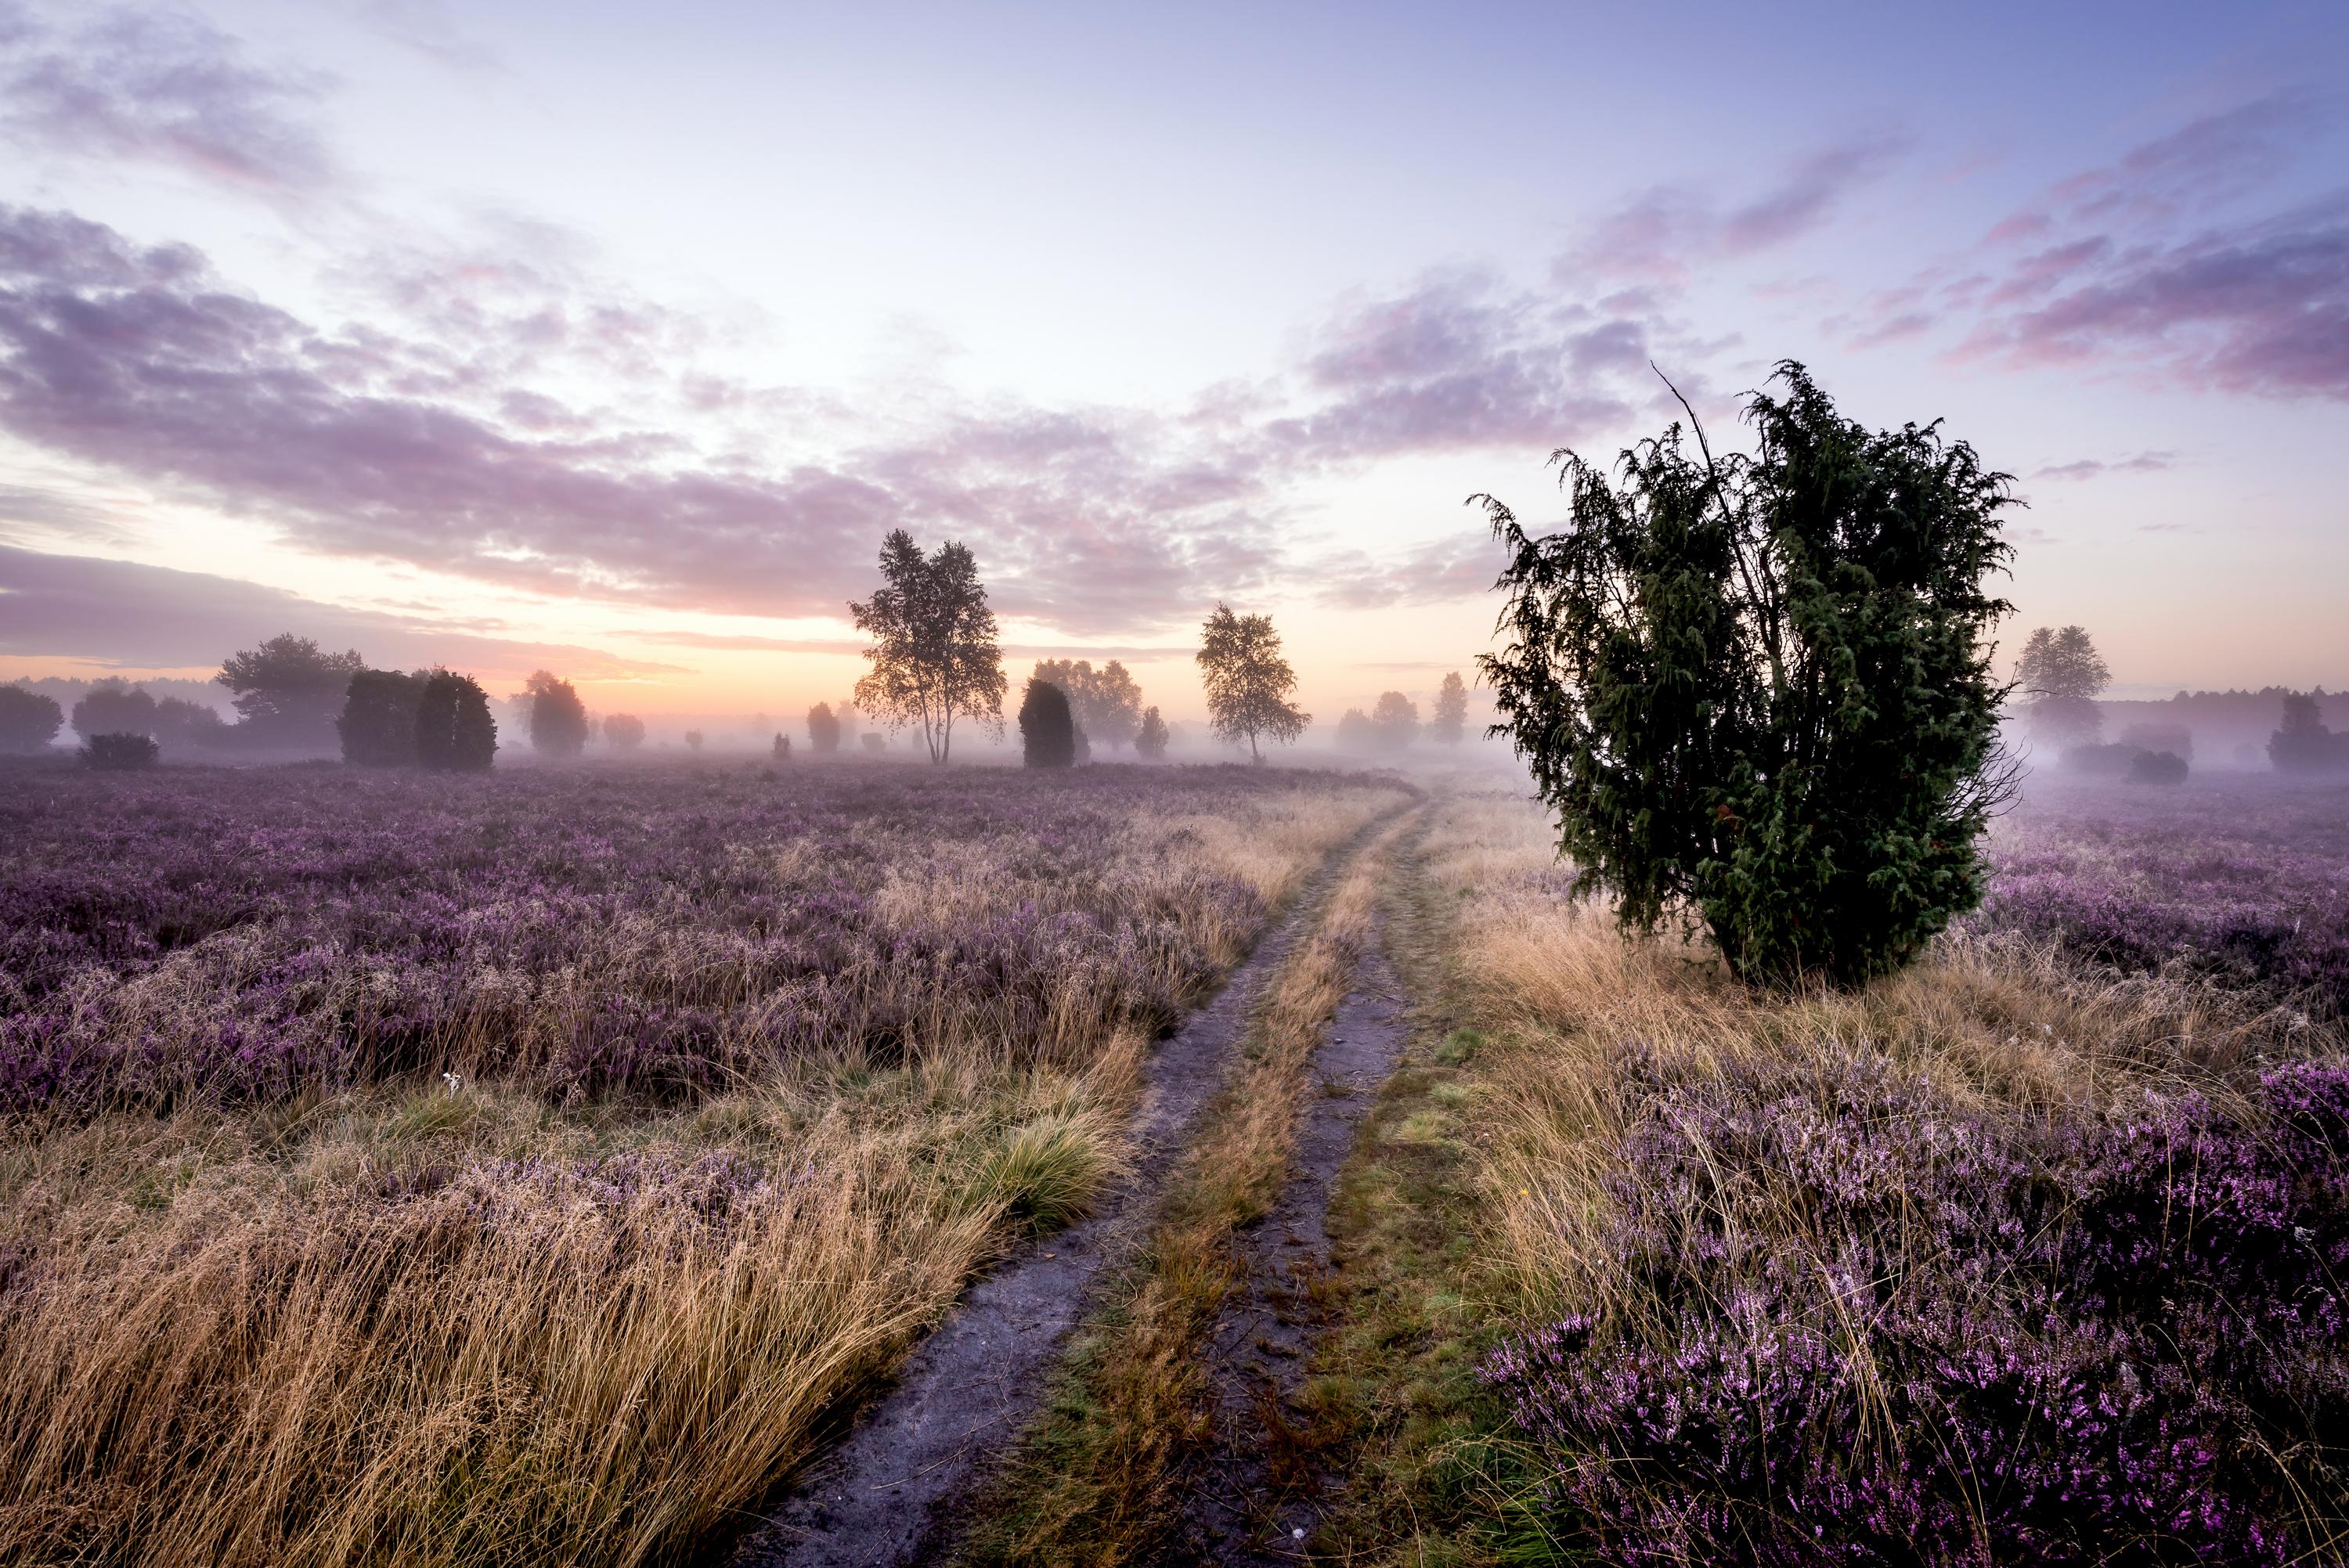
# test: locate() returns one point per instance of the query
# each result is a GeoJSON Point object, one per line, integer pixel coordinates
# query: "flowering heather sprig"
{"type": "Point", "coordinates": [237, 935]}
{"type": "Point", "coordinates": [1887, 1329]}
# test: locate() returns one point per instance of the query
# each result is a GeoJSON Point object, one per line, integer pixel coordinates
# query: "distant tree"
{"type": "Point", "coordinates": [289, 690]}
{"type": "Point", "coordinates": [1150, 740]}
{"type": "Point", "coordinates": [114, 706]}
{"type": "Point", "coordinates": [1106, 702]}
{"type": "Point", "coordinates": [2060, 673]}
{"type": "Point", "coordinates": [378, 726]}
{"type": "Point", "coordinates": [29, 721]}
{"type": "Point", "coordinates": [874, 742]}
{"type": "Point", "coordinates": [1047, 726]}
{"type": "Point", "coordinates": [824, 729]}
{"type": "Point", "coordinates": [2157, 768]}
{"type": "Point", "coordinates": [1757, 690]}
{"type": "Point", "coordinates": [2304, 744]}
{"type": "Point", "coordinates": [120, 753]}
{"type": "Point", "coordinates": [558, 720]}
{"type": "Point", "coordinates": [782, 746]}
{"type": "Point", "coordinates": [1396, 720]}
{"type": "Point", "coordinates": [622, 731]}
{"type": "Point", "coordinates": [1356, 732]}
{"type": "Point", "coordinates": [182, 724]}
{"type": "Point", "coordinates": [1451, 711]}
{"type": "Point", "coordinates": [1247, 681]}
{"type": "Point", "coordinates": [693, 739]}
{"type": "Point", "coordinates": [454, 731]}
{"type": "Point", "coordinates": [935, 655]}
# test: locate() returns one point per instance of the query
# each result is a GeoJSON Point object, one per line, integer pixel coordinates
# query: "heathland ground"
{"type": "Point", "coordinates": [545, 1166]}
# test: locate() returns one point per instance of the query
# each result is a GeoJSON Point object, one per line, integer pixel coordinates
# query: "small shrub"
{"type": "Point", "coordinates": [782, 746]}
{"type": "Point", "coordinates": [693, 740]}
{"type": "Point", "coordinates": [2157, 768]}
{"type": "Point", "coordinates": [622, 731]}
{"type": "Point", "coordinates": [2107, 761]}
{"type": "Point", "coordinates": [874, 742]}
{"type": "Point", "coordinates": [1047, 731]}
{"type": "Point", "coordinates": [120, 753]}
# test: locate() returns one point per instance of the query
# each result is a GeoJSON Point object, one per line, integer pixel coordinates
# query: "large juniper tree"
{"type": "Point", "coordinates": [1757, 690]}
{"type": "Point", "coordinates": [935, 655]}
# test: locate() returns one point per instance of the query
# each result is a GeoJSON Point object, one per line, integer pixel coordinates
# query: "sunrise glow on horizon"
{"type": "Point", "coordinates": [510, 335]}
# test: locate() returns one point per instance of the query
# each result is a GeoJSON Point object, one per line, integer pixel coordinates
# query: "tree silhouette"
{"type": "Point", "coordinates": [622, 731]}
{"type": "Point", "coordinates": [454, 731]}
{"type": "Point", "coordinates": [378, 722]}
{"type": "Point", "coordinates": [114, 706]}
{"type": "Point", "coordinates": [2060, 673]}
{"type": "Point", "coordinates": [1247, 681]}
{"type": "Point", "coordinates": [288, 690]}
{"type": "Point", "coordinates": [1395, 721]}
{"type": "Point", "coordinates": [1047, 726]}
{"type": "Point", "coordinates": [1150, 740]}
{"type": "Point", "coordinates": [30, 720]}
{"type": "Point", "coordinates": [1451, 711]}
{"type": "Point", "coordinates": [1106, 702]}
{"type": "Point", "coordinates": [558, 720]}
{"type": "Point", "coordinates": [1757, 691]}
{"type": "Point", "coordinates": [824, 728]}
{"type": "Point", "coordinates": [935, 655]}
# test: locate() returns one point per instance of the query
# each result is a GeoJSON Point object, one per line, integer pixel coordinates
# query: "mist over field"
{"type": "Point", "coordinates": [1143, 786]}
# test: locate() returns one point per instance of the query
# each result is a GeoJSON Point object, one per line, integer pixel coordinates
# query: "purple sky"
{"type": "Point", "coordinates": [581, 335]}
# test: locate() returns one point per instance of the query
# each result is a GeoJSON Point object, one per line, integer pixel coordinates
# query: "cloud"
{"type": "Point", "coordinates": [2089, 468]}
{"type": "Point", "coordinates": [2210, 160]}
{"type": "Point", "coordinates": [135, 616]}
{"type": "Point", "coordinates": [159, 87]}
{"type": "Point", "coordinates": [1462, 567]}
{"type": "Point", "coordinates": [1666, 232]}
{"type": "Point", "coordinates": [2260, 308]}
{"type": "Point", "coordinates": [1461, 362]}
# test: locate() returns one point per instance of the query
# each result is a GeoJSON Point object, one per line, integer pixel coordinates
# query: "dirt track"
{"type": "Point", "coordinates": [885, 1496]}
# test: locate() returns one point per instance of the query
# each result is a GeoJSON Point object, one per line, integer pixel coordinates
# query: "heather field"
{"type": "Point", "coordinates": [519, 1168]}
{"type": "Point", "coordinates": [2034, 1253]}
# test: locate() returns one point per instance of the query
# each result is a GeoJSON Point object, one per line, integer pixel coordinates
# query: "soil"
{"type": "Point", "coordinates": [1253, 1497]}
{"type": "Point", "coordinates": [885, 1496]}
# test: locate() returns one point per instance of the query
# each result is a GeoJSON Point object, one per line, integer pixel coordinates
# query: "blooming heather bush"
{"type": "Point", "coordinates": [1874, 1325]}
{"type": "Point", "coordinates": [242, 934]}
{"type": "Point", "coordinates": [2244, 882]}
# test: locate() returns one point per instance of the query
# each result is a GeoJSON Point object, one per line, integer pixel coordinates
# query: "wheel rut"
{"type": "Point", "coordinates": [885, 1496]}
{"type": "Point", "coordinates": [1253, 1493]}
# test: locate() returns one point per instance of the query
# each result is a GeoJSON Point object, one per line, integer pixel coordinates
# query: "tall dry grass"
{"type": "Point", "coordinates": [462, 1324]}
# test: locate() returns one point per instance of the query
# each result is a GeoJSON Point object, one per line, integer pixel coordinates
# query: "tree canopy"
{"type": "Point", "coordinates": [558, 720]}
{"type": "Point", "coordinates": [1106, 702]}
{"type": "Point", "coordinates": [30, 720]}
{"type": "Point", "coordinates": [1451, 720]}
{"type": "Point", "coordinates": [934, 654]}
{"type": "Point", "coordinates": [1247, 681]}
{"type": "Point", "coordinates": [1757, 691]}
{"type": "Point", "coordinates": [2060, 673]}
{"type": "Point", "coordinates": [288, 690]}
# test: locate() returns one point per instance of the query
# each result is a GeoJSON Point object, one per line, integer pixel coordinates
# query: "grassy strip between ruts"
{"type": "Point", "coordinates": [1094, 1482]}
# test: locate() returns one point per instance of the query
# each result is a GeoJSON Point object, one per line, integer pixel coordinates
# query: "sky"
{"type": "Point", "coordinates": [611, 339]}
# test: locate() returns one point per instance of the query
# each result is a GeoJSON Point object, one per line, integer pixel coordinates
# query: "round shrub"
{"type": "Point", "coordinates": [120, 753]}
{"type": "Point", "coordinates": [2157, 768]}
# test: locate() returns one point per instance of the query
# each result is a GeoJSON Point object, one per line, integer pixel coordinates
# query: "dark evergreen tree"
{"type": "Point", "coordinates": [454, 731]}
{"type": "Point", "coordinates": [1048, 730]}
{"type": "Point", "coordinates": [824, 729]}
{"type": "Point", "coordinates": [378, 726]}
{"type": "Point", "coordinates": [1757, 690]}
